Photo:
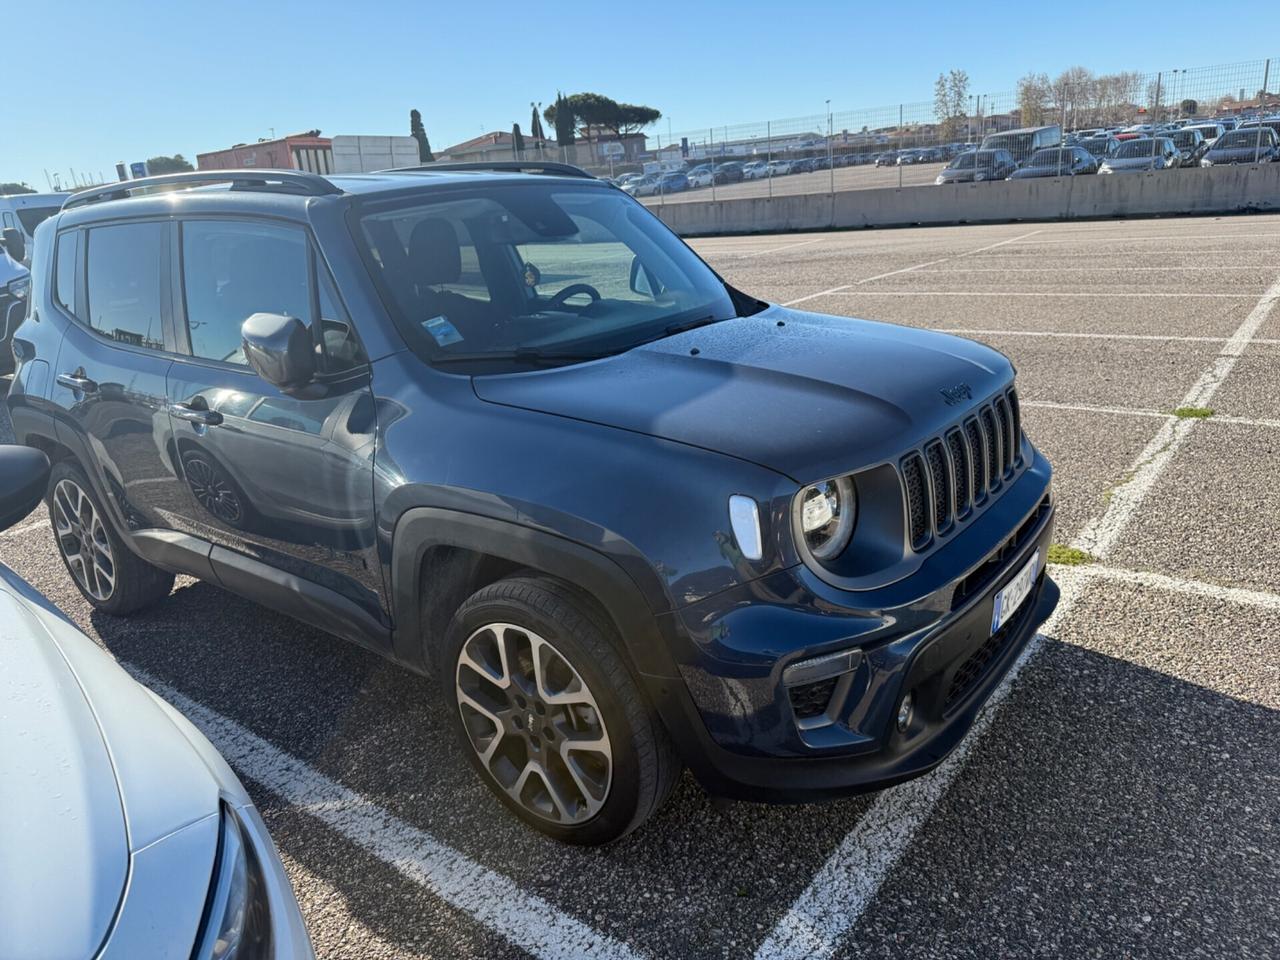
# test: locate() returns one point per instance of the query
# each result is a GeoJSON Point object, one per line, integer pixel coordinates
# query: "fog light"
{"type": "Point", "coordinates": [905, 710]}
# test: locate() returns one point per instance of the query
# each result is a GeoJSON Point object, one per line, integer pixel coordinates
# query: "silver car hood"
{"type": "Point", "coordinates": [92, 771]}
{"type": "Point", "coordinates": [62, 836]}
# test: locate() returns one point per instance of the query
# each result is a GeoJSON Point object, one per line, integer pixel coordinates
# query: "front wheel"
{"type": "Point", "coordinates": [108, 574]}
{"type": "Point", "coordinates": [550, 715]}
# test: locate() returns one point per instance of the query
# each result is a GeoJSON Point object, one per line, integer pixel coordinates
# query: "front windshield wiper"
{"type": "Point", "coordinates": [527, 355]}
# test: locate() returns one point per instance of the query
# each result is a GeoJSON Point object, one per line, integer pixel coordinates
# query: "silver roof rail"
{"type": "Point", "coordinates": [498, 166]}
{"type": "Point", "coordinates": [279, 181]}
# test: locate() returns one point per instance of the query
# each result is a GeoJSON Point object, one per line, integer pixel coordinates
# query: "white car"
{"type": "Point", "coordinates": [755, 170]}
{"type": "Point", "coordinates": [124, 833]}
{"type": "Point", "coordinates": [25, 211]}
{"type": "Point", "coordinates": [700, 177]}
{"type": "Point", "coordinates": [779, 168]}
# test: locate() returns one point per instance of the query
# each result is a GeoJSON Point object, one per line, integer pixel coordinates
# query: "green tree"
{"type": "Point", "coordinates": [561, 116]}
{"type": "Point", "coordinates": [175, 164]}
{"type": "Point", "coordinates": [594, 112]}
{"type": "Point", "coordinates": [15, 186]}
{"type": "Point", "coordinates": [419, 133]}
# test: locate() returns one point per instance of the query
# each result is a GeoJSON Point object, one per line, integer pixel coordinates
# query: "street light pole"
{"type": "Point", "coordinates": [831, 167]}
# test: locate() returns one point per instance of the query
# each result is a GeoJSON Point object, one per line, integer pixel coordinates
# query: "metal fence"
{"type": "Point", "coordinates": [911, 143]}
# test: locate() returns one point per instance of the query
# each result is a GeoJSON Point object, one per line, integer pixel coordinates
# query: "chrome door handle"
{"type": "Point", "coordinates": [184, 411]}
{"type": "Point", "coordinates": [77, 381]}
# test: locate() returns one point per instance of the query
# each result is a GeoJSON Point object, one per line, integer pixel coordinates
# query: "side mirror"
{"type": "Point", "coordinates": [15, 244]}
{"type": "Point", "coordinates": [641, 281]}
{"type": "Point", "coordinates": [24, 478]}
{"type": "Point", "coordinates": [279, 349]}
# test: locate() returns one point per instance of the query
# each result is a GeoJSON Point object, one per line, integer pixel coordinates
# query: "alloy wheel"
{"type": "Point", "coordinates": [213, 491]}
{"type": "Point", "coordinates": [82, 538]}
{"type": "Point", "coordinates": [534, 724]}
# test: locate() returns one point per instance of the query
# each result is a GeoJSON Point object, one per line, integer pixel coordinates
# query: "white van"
{"type": "Point", "coordinates": [26, 211]}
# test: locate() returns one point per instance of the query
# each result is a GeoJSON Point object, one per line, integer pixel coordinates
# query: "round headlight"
{"type": "Point", "coordinates": [826, 512]}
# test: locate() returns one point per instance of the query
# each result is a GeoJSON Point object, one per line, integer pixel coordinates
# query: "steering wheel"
{"type": "Point", "coordinates": [572, 290]}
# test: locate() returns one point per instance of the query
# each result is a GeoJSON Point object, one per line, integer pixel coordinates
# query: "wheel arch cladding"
{"type": "Point", "coordinates": [487, 550]}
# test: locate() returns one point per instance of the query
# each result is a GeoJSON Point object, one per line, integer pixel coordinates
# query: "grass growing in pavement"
{"type": "Point", "coordinates": [1193, 413]}
{"type": "Point", "coordinates": [1060, 553]}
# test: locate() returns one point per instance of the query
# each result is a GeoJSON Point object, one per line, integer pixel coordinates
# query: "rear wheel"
{"type": "Point", "coordinates": [550, 715]}
{"type": "Point", "coordinates": [107, 573]}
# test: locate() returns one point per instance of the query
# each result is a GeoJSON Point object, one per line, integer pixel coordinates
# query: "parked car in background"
{"type": "Point", "coordinates": [887, 159]}
{"type": "Point", "coordinates": [1246, 145]}
{"type": "Point", "coordinates": [1100, 147]}
{"type": "Point", "coordinates": [779, 168]}
{"type": "Point", "coordinates": [1144, 153]}
{"type": "Point", "coordinates": [1057, 162]}
{"type": "Point", "coordinates": [728, 172]}
{"type": "Point", "coordinates": [803, 165]}
{"type": "Point", "coordinates": [907, 158]}
{"type": "Point", "coordinates": [673, 182]}
{"type": "Point", "coordinates": [977, 165]}
{"type": "Point", "coordinates": [755, 170]}
{"type": "Point", "coordinates": [1210, 131]}
{"type": "Point", "coordinates": [1191, 145]}
{"type": "Point", "coordinates": [26, 211]}
{"type": "Point", "coordinates": [15, 285]}
{"type": "Point", "coordinates": [124, 833]}
{"type": "Point", "coordinates": [1021, 144]}
{"type": "Point", "coordinates": [645, 186]}
{"type": "Point", "coordinates": [700, 176]}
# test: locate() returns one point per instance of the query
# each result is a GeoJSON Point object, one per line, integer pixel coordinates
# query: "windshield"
{"type": "Point", "coordinates": [963, 162]}
{"type": "Point", "coordinates": [1144, 147]}
{"type": "Point", "coordinates": [1250, 137]}
{"type": "Point", "coordinates": [1184, 138]}
{"type": "Point", "coordinates": [534, 268]}
{"type": "Point", "coordinates": [32, 217]}
{"type": "Point", "coordinates": [1097, 147]}
{"type": "Point", "coordinates": [1050, 158]}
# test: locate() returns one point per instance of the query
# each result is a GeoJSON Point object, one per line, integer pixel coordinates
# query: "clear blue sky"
{"type": "Point", "coordinates": [94, 82]}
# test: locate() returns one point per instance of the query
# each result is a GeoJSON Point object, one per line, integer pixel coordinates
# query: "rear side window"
{"type": "Point", "coordinates": [125, 273]}
{"type": "Point", "coordinates": [64, 288]}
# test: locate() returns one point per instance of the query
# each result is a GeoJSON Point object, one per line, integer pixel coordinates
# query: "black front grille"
{"type": "Point", "coordinates": [992, 436]}
{"type": "Point", "coordinates": [981, 578]}
{"type": "Point", "coordinates": [917, 503]}
{"type": "Point", "coordinates": [963, 467]}
{"type": "Point", "coordinates": [961, 470]}
{"type": "Point", "coordinates": [810, 700]}
{"type": "Point", "coordinates": [976, 666]}
{"type": "Point", "coordinates": [940, 481]}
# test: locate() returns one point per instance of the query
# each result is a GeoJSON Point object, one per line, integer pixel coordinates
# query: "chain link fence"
{"type": "Point", "coordinates": [911, 144]}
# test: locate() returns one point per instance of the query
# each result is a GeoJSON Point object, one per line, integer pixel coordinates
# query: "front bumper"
{"type": "Point", "coordinates": [737, 728]}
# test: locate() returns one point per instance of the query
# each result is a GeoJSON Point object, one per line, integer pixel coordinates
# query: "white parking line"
{"type": "Point", "coordinates": [1159, 581]}
{"type": "Point", "coordinates": [847, 883]}
{"type": "Point", "coordinates": [918, 266]}
{"type": "Point", "coordinates": [760, 253]}
{"type": "Point", "coordinates": [1091, 294]}
{"type": "Point", "coordinates": [1171, 237]}
{"type": "Point", "coordinates": [1159, 415]}
{"type": "Point", "coordinates": [1072, 334]}
{"type": "Point", "coordinates": [526, 920]}
{"type": "Point", "coordinates": [1178, 269]}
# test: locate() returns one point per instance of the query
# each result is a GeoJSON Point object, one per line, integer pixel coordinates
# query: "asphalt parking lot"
{"type": "Point", "coordinates": [1120, 796]}
{"type": "Point", "coordinates": [820, 181]}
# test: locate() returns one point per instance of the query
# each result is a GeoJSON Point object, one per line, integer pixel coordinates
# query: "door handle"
{"type": "Point", "coordinates": [204, 417]}
{"type": "Point", "coordinates": [77, 381]}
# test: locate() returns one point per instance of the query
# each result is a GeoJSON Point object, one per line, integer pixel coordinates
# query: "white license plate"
{"type": "Point", "coordinates": [1015, 593]}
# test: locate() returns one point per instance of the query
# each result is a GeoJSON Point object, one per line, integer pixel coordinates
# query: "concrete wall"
{"type": "Point", "coordinates": [1227, 189]}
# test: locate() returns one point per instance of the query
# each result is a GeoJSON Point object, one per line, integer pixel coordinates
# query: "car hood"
{"type": "Point", "coordinates": [807, 395]}
{"type": "Point", "coordinates": [1222, 154]}
{"type": "Point", "coordinates": [1133, 163]}
{"type": "Point", "coordinates": [63, 816]}
{"type": "Point", "coordinates": [92, 771]}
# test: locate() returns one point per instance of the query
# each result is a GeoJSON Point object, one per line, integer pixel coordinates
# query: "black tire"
{"type": "Point", "coordinates": [645, 766]}
{"type": "Point", "coordinates": [136, 584]}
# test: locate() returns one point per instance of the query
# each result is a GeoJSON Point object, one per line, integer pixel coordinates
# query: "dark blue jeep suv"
{"type": "Point", "coordinates": [503, 427]}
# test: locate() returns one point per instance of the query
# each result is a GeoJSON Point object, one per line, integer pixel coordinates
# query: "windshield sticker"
{"type": "Point", "coordinates": [442, 330]}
